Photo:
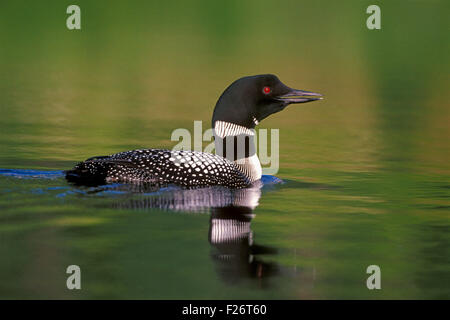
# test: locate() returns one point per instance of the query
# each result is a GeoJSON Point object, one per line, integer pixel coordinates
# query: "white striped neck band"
{"type": "Point", "coordinates": [224, 129]}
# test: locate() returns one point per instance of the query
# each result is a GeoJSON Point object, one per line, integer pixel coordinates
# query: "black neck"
{"type": "Point", "coordinates": [235, 147]}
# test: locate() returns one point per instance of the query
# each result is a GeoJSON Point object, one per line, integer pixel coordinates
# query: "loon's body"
{"type": "Point", "coordinates": [236, 165]}
{"type": "Point", "coordinates": [184, 168]}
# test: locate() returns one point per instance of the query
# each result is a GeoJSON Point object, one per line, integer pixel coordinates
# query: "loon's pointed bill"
{"type": "Point", "coordinates": [299, 96]}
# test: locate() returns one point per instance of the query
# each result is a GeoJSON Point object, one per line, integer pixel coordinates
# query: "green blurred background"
{"type": "Point", "coordinates": [139, 69]}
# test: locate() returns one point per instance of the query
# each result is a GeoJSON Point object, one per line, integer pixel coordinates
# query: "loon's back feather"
{"type": "Point", "coordinates": [185, 168]}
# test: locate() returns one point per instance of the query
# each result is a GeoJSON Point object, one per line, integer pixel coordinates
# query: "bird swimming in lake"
{"type": "Point", "coordinates": [240, 108]}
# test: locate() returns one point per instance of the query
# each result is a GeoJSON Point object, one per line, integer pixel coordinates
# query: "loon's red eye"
{"type": "Point", "coordinates": [267, 90]}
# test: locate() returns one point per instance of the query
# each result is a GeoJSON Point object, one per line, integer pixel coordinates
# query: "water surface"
{"type": "Point", "coordinates": [366, 171]}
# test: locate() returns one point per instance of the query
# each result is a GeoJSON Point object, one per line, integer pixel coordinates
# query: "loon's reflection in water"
{"type": "Point", "coordinates": [234, 251]}
{"type": "Point", "coordinates": [186, 200]}
{"type": "Point", "coordinates": [236, 254]}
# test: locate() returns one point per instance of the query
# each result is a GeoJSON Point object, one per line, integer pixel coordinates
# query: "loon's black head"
{"type": "Point", "coordinates": [249, 100]}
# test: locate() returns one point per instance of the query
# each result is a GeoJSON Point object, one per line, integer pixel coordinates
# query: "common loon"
{"type": "Point", "coordinates": [239, 109]}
